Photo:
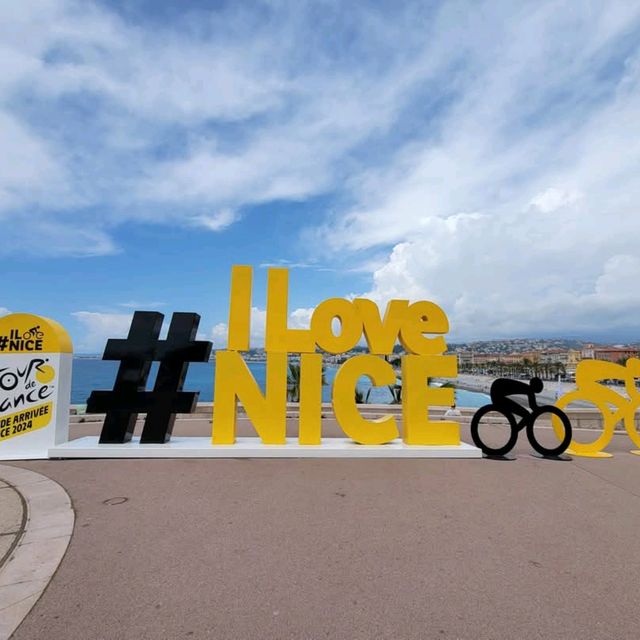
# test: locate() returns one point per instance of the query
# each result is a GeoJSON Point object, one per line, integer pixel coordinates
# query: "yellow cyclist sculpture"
{"type": "Point", "coordinates": [613, 406]}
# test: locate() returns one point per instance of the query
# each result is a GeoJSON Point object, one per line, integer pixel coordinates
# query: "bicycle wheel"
{"type": "Point", "coordinates": [475, 431]}
{"type": "Point", "coordinates": [595, 448]}
{"type": "Point", "coordinates": [565, 440]}
{"type": "Point", "coordinates": [630, 426]}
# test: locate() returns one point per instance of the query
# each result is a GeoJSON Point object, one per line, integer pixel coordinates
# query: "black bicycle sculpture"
{"type": "Point", "coordinates": [501, 389]}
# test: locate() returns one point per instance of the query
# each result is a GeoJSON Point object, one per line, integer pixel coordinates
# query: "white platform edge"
{"type": "Point", "coordinates": [199, 447]}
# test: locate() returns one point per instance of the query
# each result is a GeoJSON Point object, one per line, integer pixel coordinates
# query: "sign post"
{"type": "Point", "coordinates": [35, 386]}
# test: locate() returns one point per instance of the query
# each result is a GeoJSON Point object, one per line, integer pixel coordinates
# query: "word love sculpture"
{"type": "Point", "coordinates": [337, 325]}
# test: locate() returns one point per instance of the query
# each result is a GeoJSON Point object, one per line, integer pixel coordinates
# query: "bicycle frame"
{"type": "Point", "coordinates": [604, 398]}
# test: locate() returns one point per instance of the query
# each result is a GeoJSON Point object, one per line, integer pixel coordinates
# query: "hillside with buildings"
{"type": "Point", "coordinates": [529, 356]}
{"type": "Point", "coordinates": [547, 358]}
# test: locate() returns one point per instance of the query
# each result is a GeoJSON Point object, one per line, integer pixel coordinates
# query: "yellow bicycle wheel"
{"type": "Point", "coordinates": [586, 449]}
{"type": "Point", "coordinates": [630, 426]}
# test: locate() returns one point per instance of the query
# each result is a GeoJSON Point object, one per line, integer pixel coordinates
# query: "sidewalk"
{"type": "Point", "coordinates": [345, 549]}
{"type": "Point", "coordinates": [13, 516]}
{"type": "Point", "coordinates": [36, 522]}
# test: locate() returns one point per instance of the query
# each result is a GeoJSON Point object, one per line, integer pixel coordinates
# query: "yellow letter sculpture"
{"type": "Point", "coordinates": [417, 396]}
{"type": "Point", "coordinates": [310, 422]}
{"type": "Point", "coordinates": [235, 382]}
{"type": "Point", "coordinates": [424, 317]}
{"type": "Point", "coordinates": [350, 325]}
{"type": "Point", "coordinates": [279, 338]}
{"type": "Point", "coordinates": [352, 423]}
{"type": "Point", "coordinates": [612, 405]}
{"type": "Point", "coordinates": [411, 324]}
{"type": "Point", "coordinates": [381, 334]}
{"type": "Point", "coordinates": [240, 309]}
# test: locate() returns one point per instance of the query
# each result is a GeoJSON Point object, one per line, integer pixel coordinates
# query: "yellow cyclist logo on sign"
{"type": "Point", "coordinates": [612, 405]}
{"type": "Point", "coordinates": [26, 333]}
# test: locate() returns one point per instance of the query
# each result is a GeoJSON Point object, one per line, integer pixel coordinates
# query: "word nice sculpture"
{"type": "Point", "coordinates": [419, 327]}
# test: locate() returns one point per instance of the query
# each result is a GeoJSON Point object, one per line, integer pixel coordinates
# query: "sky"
{"type": "Point", "coordinates": [482, 155]}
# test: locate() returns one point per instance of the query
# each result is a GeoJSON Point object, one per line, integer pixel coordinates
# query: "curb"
{"type": "Point", "coordinates": [40, 545]}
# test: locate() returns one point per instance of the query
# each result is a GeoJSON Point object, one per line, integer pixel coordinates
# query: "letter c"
{"type": "Point", "coordinates": [344, 406]}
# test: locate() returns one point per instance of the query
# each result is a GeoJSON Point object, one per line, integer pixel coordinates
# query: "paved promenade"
{"type": "Point", "coordinates": [36, 523]}
{"type": "Point", "coordinates": [345, 549]}
{"type": "Point", "coordinates": [11, 522]}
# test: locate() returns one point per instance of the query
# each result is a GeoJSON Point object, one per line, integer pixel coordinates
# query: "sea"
{"type": "Point", "coordinates": [93, 373]}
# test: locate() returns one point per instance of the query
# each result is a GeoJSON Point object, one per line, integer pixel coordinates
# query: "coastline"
{"type": "Point", "coordinates": [552, 389]}
{"type": "Point", "coordinates": [482, 384]}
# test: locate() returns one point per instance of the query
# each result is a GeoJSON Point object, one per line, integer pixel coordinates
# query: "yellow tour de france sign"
{"type": "Point", "coordinates": [35, 380]}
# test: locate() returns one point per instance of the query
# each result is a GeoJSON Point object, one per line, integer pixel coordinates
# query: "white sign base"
{"type": "Point", "coordinates": [201, 447]}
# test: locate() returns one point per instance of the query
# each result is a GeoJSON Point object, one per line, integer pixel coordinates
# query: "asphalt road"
{"type": "Point", "coordinates": [348, 549]}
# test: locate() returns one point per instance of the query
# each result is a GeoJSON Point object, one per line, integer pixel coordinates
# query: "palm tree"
{"type": "Point", "coordinates": [293, 381]}
{"type": "Point", "coordinates": [536, 368]}
{"type": "Point", "coordinates": [361, 397]}
{"type": "Point", "coordinates": [396, 393]}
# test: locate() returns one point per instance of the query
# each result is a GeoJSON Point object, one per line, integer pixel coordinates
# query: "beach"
{"type": "Point", "coordinates": [552, 389]}
{"type": "Point", "coordinates": [482, 384]}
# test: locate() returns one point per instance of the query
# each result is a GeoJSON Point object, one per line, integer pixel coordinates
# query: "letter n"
{"type": "Point", "coordinates": [267, 412]}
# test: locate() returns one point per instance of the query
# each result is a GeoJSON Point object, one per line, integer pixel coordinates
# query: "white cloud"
{"type": "Point", "coordinates": [298, 319]}
{"type": "Point", "coordinates": [520, 212]}
{"type": "Point", "coordinates": [4, 311]}
{"type": "Point", "coordinates": [618, 282]}
{"type": "Point", "coordinates": [98, 327]}
{"type": "Point", "coordinates": [217, 221]}
{"type": "Point", "coordinates": [299, 105]}
{"type": "Point", "coordinates": [553, 199]}
{"type": "Point", "coordinates": [41, 236]}
{"type": "Point", "coordinates": [487, 153]}
{"type": "Point", "coordinates": [219, 335]}
{"type": "Point", "coordinates": [31, 163]}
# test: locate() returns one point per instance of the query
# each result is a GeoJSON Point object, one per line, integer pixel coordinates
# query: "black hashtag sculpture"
{"type": "Point", "coordinates": [129, 395]}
